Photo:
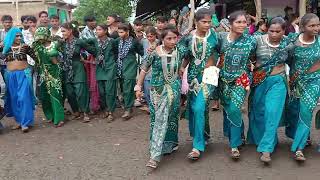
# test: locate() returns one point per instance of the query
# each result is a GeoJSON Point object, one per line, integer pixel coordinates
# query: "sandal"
{"type": "Point", "coordinates": [299, 156]}
{"type": "Point", "coordinates": [110, 118]}
{"type": "Point", "coordinates": [235, 154]}
{"type": "Point", "coordinates": [194, 155]}
{"type": "Point", "coordinates": [86, 119]}
{"type": "Point", "coordinates": [265, 158]}
{"type": "Point", "coordinates": [60, 124]}
{"type": "Point", "coordinates": [25, 129]}
{"type": "Point", "coordinates": [152, 164]}
{"type": "Point", "coordinates": [76, 116]}
{"type": "Point", "coordinates": [104, 115]}
{"type": "Point", "coordinates": [16, 127]}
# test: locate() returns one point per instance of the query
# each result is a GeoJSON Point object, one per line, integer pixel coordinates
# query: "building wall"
{"type": "Point", "coordinates": [32, 8]}
{"type": "Point", "coordinates": [276, 7]}
{"type": "Point", "coordinates": [24, 9]}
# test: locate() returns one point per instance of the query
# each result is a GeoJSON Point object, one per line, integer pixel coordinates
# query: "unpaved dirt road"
{"type": "Point", "coordinates": [101, 151]}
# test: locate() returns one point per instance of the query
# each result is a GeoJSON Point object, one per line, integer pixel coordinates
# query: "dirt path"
{"type": "Point", "coordinates": [118, 150]}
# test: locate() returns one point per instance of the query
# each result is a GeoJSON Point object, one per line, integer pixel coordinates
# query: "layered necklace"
{"type": "Point", "coordinates": [171, 74]}
{"type": "Point", "coordinates": [15, 51]}
{"type": "Point", "coordinates": [194, 47]}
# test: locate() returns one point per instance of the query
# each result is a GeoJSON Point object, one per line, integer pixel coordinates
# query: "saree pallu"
{"type": "Point", "coordinates": [19, 101]}
{"type": "Point", "coordinates": [198, 115]}
{"type": "Point", "coordinates": [232, 98]}
{"type": "Point", "coordinates": [300, 108]}
{"type": "Point", "coordinates": [164, 114]}
{"type": "Point", "coordinates": [51, 93]}
{"type": "Point", "coordinates": [266, 105]}
{"type": "Point", "coordinates": [93, 85]}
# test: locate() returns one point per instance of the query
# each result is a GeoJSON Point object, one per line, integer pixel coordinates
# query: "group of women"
{"type": "Point", "coordinates": [60, 64]}
{"type": "Point", "coordinates": [238, 64]}
{"type": "Point", "coordinates": [254, 65]}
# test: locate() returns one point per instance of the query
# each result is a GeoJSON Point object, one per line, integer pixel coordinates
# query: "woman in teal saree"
{"type": "Point", "coordinates": [304, 83]}
{"type": "Point", "coordinates": [164, 105]}
{"type": "Point", "coordinates": [236, 49]}
{"type": "Point", "coordinates": [201, 45]}
{"type": "Point", "coordinates": [269, 88]}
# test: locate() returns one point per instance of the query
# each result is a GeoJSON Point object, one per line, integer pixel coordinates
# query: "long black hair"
{"type": "Point", "coordinates": [105, 28]}
{"type": "Point", "coordinates": [127, 27]}
{"type": "Point", "coordinates": [72, 26]}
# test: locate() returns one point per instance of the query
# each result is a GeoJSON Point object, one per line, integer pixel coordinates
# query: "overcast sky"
{"type": "Point", "coordinates": [71, 1]}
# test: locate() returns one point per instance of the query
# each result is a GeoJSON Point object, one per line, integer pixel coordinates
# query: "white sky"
{"type": "Point", "coordinates": [71, 1]}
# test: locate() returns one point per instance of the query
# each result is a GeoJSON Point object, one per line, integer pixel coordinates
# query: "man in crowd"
{"type": "Point", "coordinates": [161, 23]}
{"type": "Point", "coordinates": [89, 30]}
{"type": "Point", "coordinates": [7, 23]}
{"type": "Point", "coordinates": [138, 29]}
{"type": "Point", "coordinates": [43, 19]}
{"type": "Point", "coordinates": [112, 22]}
{"type": "Point", "coordinates": [24, 23]}
{"type": "Point", "coordinates": [55, 26]}
{"type": "Point", "coordinates": [288, 11]}
{"type": "Point", "coordinates": [28, 34]}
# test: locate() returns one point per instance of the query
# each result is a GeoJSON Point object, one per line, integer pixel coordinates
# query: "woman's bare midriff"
{"type": "Point", "coordinates": [17, 65]}
{"type": "Point", "coordinates": [278, 69]}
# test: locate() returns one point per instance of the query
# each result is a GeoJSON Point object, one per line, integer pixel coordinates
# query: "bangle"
{"type": "Point", "coordinates": [137, 87]}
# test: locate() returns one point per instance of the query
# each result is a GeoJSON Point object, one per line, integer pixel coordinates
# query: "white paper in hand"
{"type": "Point", "coordinates": [211, 75]}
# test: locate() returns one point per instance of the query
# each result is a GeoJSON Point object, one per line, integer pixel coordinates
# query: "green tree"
{"type": "Point", "coordinates": [102, 8]}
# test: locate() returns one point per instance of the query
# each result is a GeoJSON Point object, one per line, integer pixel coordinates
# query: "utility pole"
{"type": "Point", "coordinates": [191, 16]}
{"type": "Point", "coordinates": [17, 11]}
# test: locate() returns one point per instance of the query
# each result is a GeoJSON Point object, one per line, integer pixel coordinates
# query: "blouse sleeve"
{"type": "Point", "coordinates": [182, 47]}
{"type": "Point", "coordinates": [31, 52]}
{"type": "Point", "coordinates": [89, 45]}
{"type": "Point", "coordinates": [147, 61]}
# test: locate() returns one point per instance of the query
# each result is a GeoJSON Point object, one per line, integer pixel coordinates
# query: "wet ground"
{"type": "Point", "coordinates": [119, 150]}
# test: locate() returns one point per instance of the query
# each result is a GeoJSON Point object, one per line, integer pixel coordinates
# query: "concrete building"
{"type": "Point", "coordinates": [18, 8]}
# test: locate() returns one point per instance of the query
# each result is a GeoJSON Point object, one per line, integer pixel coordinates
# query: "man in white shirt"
{"type": "Point", "coordinates": [90, 30]}
{"type": "Point", "coordinates": [28, 34]}
{"type": "Point", "coordinates": [55, 26]}
{"type": "Point", "coordinates": [43, 19]}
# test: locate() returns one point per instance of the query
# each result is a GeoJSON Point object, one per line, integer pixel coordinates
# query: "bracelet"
{"type": "Point", "coordinates": [137, 87]}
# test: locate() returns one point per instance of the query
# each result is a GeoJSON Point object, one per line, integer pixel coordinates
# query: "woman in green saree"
{"type": "Point", "coordinates": [50, 76]}
{"type": "Point", "coordinates": [165, 62]}
{"type": "Point", "coordinates": [304, 83]}
{"type": "Point", "coordinates": [236, 49]}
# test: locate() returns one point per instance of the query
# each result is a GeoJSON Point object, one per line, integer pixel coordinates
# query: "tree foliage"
{"type": "Point", "coordinates": [102, 8]}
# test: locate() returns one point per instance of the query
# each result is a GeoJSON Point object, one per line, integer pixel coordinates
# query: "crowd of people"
{"type": "Point", "coordinates": [169, 65]}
